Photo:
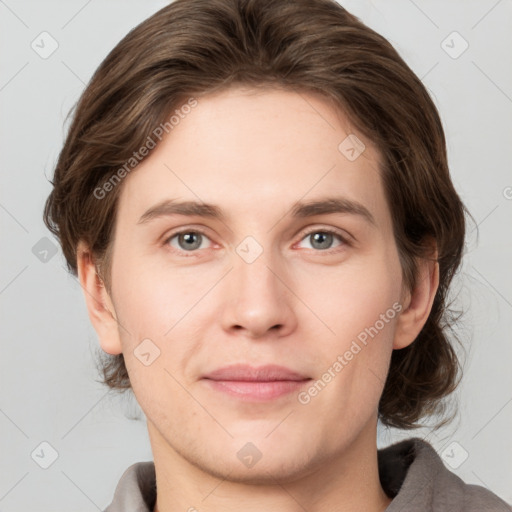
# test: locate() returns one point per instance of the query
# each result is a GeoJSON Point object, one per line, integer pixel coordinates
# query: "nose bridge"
{"type": "Point", "coordinates": [254, 268]}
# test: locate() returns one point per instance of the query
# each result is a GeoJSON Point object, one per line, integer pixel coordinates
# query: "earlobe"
{"type": "Point", "coordinates": [418, 303]}
{"type": "Point", "coordinates": [99, 305]}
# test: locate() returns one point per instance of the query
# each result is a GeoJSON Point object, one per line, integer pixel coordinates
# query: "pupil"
{"type": "Point", "coordinates": [189, 240]}
{"type": "Point", "coordinates": [322, 237]}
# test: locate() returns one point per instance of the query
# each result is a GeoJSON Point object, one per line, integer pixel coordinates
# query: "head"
{"type": "Point", "coordinates": [253, 109]}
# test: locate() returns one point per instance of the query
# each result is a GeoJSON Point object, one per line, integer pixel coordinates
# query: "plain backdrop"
{"type": "Point", "coordinates": [48, 387]}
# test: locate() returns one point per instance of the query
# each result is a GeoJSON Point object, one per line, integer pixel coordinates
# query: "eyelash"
{"type": "Point", "coordinates": [329, 231]}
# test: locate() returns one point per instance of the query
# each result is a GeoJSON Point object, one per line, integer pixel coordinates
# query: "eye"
{"type": "Point", "coordinates": [190, 240]}
{"type": "Point", "coordinates": [322, 239]}
{"type": "Point", "coordinates": [187, 240]}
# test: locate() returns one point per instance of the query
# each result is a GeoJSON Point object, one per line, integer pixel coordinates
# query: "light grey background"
{"type": "Point", "coordinates": [48, 388]}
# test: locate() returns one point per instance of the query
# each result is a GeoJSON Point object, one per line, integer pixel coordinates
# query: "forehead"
{"type": "Point", "coordinates": [253, 150]}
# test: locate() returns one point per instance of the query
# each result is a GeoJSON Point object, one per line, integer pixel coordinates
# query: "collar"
{"type": "Point", "coordinates": [411, 473]}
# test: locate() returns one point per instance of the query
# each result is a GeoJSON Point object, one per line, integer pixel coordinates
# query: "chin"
{"type": "Point", "coordinates": [270, 472]}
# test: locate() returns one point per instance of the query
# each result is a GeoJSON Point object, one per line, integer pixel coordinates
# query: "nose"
{"type": "Point", "coordinates": [258, 298]}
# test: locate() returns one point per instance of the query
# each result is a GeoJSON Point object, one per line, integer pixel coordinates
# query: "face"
{"type": "Point", "coordinates": [268, 281]}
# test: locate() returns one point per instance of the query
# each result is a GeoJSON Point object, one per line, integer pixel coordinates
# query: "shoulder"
{"type": "Point", "coordinates": [413, 473]}
{"type": "Point", "coordinates": [136, 490]}
{"type": "Point", "coordinates": [477, 498]}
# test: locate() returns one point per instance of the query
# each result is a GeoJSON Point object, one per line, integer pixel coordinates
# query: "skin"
{"type": "Point", "coordinates": [254, 154]}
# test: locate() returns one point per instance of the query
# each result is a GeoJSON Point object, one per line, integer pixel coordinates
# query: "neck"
{"type": "Point", "coordinates": [346, 481]}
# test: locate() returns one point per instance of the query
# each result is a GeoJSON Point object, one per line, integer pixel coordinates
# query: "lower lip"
{"type": "Point", "coordinates": [257, 391]}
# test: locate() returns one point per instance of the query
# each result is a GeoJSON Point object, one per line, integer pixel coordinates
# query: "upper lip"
{"type": "Point", "coordinates": [244, 372]}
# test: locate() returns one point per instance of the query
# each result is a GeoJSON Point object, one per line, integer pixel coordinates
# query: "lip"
{"type": "Point", "coordinates": [255, 384]}
{"type": "Point", "coordinates": [247, 373]}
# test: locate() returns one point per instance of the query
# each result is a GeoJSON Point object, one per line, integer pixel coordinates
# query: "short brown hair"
{"type": "Point", "coordinates": [195, 47]}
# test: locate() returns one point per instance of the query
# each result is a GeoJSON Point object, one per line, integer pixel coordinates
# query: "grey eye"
{"type": "Point", "coordinates": [187, 241]}
{"type": "Point", "coordinates": [323, 239]}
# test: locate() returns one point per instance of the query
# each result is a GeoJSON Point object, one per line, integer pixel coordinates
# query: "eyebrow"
{"type": "Point", "coordinates": [328, 205]}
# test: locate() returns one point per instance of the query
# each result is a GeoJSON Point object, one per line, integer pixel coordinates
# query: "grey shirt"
{"type": "Point", "coordinates": [411, 473]}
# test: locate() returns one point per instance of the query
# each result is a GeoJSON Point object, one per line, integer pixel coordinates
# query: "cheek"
{"type": "Point", "coordinates": [360, 304]}
{"type": "Point", "coordinates": [152, 299]}
{"type": "Point", "coordinates": [353, 296]}
{"type": "Point", "coordinates": [157, 309]}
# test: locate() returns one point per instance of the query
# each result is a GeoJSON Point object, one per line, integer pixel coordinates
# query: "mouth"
{"type": "Point", "coordinates": [255, 384]}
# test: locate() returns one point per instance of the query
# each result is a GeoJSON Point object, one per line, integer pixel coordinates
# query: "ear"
{"type": "Point", "coordinates": [417, 303]}
{"type": "Point", "coordinates": [99, 305]}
